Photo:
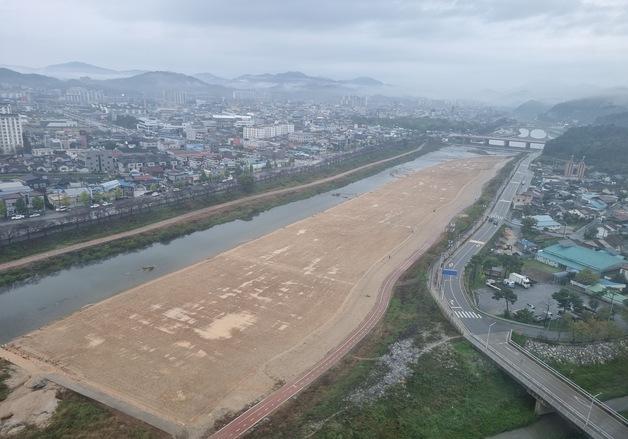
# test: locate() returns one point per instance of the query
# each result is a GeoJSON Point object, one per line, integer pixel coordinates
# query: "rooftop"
{"type": "Point", "coordinates": [574, 256]}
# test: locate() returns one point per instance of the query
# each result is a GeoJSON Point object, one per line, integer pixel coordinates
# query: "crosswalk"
{"type": "Point", "coordinates": [467, 314]}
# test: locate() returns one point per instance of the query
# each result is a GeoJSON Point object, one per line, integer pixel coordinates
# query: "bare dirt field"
{"type": "Point", "coordinates": [208, 340]}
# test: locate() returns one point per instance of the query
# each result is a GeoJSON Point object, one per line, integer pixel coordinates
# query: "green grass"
{"type": "Point", "coordinates": [453, 393]}
{"type": "Point", "coordinates": [518, 338]}
{"type": "Point", "coordinates": [143, 240]}
{"type": "Point", "coordinates": [78, 417]}
{"type": "Point", "coordinates": [539, 266]}
{"type": "Point", "coordinates": [611, 378]}
{"type": "Point", "coordinates": [4, 375]}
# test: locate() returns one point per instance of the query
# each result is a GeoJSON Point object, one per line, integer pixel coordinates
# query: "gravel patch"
{"type": "Point", "coordinates": [583, 355]}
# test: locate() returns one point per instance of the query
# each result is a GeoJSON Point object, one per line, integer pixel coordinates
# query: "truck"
{"type": "Point", "coordinates": [519, 279]}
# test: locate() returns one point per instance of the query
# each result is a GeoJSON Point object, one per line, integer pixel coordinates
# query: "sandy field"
{"type": "Point", "coordinates": [208, 340]}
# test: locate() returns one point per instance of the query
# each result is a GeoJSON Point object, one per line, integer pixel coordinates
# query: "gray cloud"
{"type": "Point", "coordinates": [433, 45]}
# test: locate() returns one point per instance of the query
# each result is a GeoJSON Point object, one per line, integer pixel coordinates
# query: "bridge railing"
{"type": "Point", "coordinates": [567, 380]}
{"type": "Point", "coordinates": [554, 400]}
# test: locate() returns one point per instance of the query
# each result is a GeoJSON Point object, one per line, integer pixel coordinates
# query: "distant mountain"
{"type": "Point", "coordinates": [587, 110]}
{"type": "Point", "coordinates": [210, 78]}
{"type": "Point", "coordinates": [604, 147]}
{"type": "Point", "coordinates": [364, 81]}
{"type": "Point", "coordinates": [617, 119]}
{"type": "Point", "coordinates": [298, 84]}
{"type": "Point", "coordinates": [155, 83]}
{"type": "Point", "coordinates": [530, 110]}
{"type": "Point", "coordinates": [12, 78]}
{"type": "Point", "coordinates": [74, 67]}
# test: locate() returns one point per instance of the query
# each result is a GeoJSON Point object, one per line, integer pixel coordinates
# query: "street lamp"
{"type": "Point", "coordinates": [591, 408]}
{"type": "Point", "coordinates": [489, 334]}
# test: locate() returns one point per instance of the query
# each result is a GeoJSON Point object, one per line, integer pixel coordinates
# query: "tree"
{"type": "Point", "coordinates": [117, 193]}
{"type": "Point", "coordinates": [247, 183]}
{"type": "Point", "coordinates": [524, 315]}
{"type": "Point", "coordinates": [562, 297]}
{"type": "Point", "coordinates": [527, 225]}
{"type": "Point", "coordinates": [3, 209]}
{"type": "Point", "coordinates": [567, 299]}
{"type": "Point", "coordinates": [594, 304]}
{"type": "Point", "coordinates": [38, 203]}
{"type": "Point", "coordinates": [507, 295]}
{"type": "Point", "coordinates": [85, 199]}
{"type": "Point", "coordinates": [590, 232]}
{"type": "Point", "coordinates": [20, 206]}
{"type": "Point", "coordinates": [65, 201]}
{"type": "Point", "coordinates": [586, 277]}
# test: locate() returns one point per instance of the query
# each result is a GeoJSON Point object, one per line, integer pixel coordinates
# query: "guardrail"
{"type": "Point", "coordinates": [571, 383]}
{"type": "Point", "coordinates": [538, 387]}
{"type": "Point", "coordinates": [508, 364]}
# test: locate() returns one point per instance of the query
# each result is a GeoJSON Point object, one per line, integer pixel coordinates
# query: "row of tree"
{"type": "Point", "coordinates": [21, 206]}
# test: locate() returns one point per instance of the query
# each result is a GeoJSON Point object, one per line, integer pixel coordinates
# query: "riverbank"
{"type": "Point", "coordinates": [52, 261]}
{"type": "Point", "coordinates": [313, 279]}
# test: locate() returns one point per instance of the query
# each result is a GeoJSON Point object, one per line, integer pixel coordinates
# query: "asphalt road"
{"type": "Point", "coordinates": [491, 334]}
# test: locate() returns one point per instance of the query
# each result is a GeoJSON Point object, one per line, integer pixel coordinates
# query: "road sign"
{"type": "Point", "coordinates": [449, 272]}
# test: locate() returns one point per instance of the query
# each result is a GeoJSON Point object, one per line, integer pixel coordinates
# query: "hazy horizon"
{"type": "Point", "coordinates": [427, 47]}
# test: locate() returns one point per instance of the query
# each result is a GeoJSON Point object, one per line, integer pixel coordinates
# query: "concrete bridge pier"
{"type": "Point", "coordinates": [542, 408]}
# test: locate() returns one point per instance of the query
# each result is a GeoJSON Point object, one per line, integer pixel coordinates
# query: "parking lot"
{"type": "Point", "coordinates": [538, 295]}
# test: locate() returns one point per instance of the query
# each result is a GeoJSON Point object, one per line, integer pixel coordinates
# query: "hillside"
{"type": "Point", "coordinates": [31, 80]}
{"type": "Point", "coordinates": [154, 83]}
{"type": "Point", "coordinates": [605, 147]}
{"type": "Point", "coordinates": [530, 110]}
{"type": "Point", "coordinates": [618, 119]}
{"type": "Point", "coordinates": [587, 110]}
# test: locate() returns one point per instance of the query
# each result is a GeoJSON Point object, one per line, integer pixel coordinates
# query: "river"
{"type": "Point", "coordinates": [29, 306]}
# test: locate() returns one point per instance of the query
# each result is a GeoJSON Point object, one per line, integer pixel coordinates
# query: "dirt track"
{"type": "Point", "coordinates": [197, 344]}
{"type": "Point", "coordinates": [190, 216]}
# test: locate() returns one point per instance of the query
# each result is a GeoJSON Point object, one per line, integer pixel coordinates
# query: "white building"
{"type": "Point", "coordinates": [268, 131]}
{"type": "Point", "coordinates": [10, 131]}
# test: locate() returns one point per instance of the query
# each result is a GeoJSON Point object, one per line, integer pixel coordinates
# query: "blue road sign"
{"type": "Point", "coordinates": [449, 272]}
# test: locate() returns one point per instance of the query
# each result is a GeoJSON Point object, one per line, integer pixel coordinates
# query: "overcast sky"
{"type": "Point", "coordinates": [436, 45]}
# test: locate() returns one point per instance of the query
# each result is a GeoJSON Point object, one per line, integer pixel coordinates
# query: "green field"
{"type": "Point", "coordinates": [611, 378]}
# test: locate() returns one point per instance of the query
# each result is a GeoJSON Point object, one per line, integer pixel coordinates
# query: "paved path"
{"type": "Point", "coordinates": [191, 216]}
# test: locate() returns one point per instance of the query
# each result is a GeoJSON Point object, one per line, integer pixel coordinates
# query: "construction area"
{"type": "Point", "coordinates": [203, 343]}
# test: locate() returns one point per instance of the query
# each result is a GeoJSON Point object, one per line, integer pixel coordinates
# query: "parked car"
{"type": "Point", "coordinates": [106, 203]}
{"type": "Point", "coordinates": [154, 194]}
{"type": "Point", "coordinates": [95, 205]}
{"type": "Point", "coordinates": [17, 217]}
{"type": "Point", "coordinates": [61, 209]}
{"type": "Point", "coordinates": [34, 215]}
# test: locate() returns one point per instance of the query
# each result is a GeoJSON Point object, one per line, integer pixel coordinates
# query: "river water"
{"type": "Point", "coordinates": [29, 306]}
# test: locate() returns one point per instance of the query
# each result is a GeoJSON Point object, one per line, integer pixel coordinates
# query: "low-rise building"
{"type": "Point", "coordinates": [567, 255]}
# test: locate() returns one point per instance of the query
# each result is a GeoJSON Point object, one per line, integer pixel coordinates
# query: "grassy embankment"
{"type": "Point", "coordinates": [453, 391]}
{"type": "Point", "coordinates": [4, 374]}
{"type": "Point", "coordinates": [610, 378]}
{"type": "Point", "coordinates": [244, 211]}
{"type": "Point", "coordinates": [79, 417]}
